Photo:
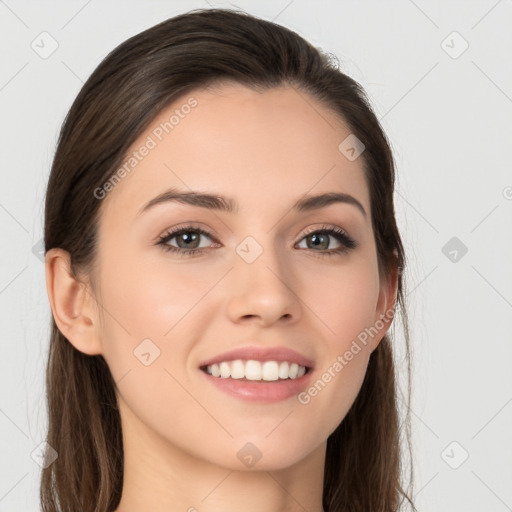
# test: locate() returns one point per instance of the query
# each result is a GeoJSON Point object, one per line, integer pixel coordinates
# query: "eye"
{"type": "Point", "coordinates": [187, 237]}
{"type": "Point", "coordinates": [320, 238]}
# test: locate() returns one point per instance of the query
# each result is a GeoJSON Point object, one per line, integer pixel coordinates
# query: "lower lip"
{"type": "Point", "coordinates": [260, 391]}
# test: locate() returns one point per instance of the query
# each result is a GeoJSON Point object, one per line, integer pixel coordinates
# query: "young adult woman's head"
{"type": "Point", "coordinates": [283, 236]}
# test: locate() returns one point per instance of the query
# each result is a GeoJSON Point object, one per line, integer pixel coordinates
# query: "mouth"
{"type": "Point", "coordinates": [258, 373]}
{"type": "Point", "coordinates": [254, 381]}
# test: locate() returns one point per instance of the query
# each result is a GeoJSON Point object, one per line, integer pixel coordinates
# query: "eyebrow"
{"type": "Point", "coordinates": [226, 204]}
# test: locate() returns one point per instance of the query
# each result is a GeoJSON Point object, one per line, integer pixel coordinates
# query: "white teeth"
{"type": "Point", "coordinates": [225, 370]}
{"type": "Point", "coordinates": [270, 370]}
{"type": "Point", "coordinates": [253, 370]}
{"type": "Point", "coordinates": [215, 369]}
{"type": "Point", "coordinates": [237, 369]}
{"type": "Point", "coordinates": [283, 370]}
{"type": "Point", "coordinates": [256, 370]}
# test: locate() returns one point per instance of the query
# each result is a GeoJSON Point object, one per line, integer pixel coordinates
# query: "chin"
{"type": "Point", "coordinates": [263, 455]}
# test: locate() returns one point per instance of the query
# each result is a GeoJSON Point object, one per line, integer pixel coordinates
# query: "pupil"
{"type": "Point", "coordinates": [187, 237]}
{"type": "Point", "coordinates": [318, 242]}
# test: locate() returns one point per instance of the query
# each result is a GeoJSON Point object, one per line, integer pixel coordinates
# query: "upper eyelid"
{"type": "Point", "coordinates": [179, 229]}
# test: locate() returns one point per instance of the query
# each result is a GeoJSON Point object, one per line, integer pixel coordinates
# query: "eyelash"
{"type": "Point", "coordinates": [347, 242]}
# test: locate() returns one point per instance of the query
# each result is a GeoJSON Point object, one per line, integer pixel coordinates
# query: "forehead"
{"type": "Point", "coordinates": [269, 146]}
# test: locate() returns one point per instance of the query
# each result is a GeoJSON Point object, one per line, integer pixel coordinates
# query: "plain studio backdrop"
{"type": "Point", "coordinates": [439, 77]}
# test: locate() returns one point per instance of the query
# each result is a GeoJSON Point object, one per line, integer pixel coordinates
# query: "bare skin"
{"type": "Point", "coordinates": [181, 434]}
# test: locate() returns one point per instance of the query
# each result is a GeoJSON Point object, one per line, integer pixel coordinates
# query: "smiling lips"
{"type": "Point", "coordinates": [264, 374]}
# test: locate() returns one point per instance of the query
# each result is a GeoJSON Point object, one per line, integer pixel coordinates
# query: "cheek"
{"type": "Point", "coordinates": [337, 380]}
{"type": "Point", "coordinates": [148, 299]}
{"type": "Point", "coordinates": [345, 307]}
{"type": "Point", "coordinates": [152, 317]}
{"type": "Point", "coordinates": [344, 299]}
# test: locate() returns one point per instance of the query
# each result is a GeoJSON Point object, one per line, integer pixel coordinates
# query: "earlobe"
{"type": "Point", "coordinates": [71, 303]}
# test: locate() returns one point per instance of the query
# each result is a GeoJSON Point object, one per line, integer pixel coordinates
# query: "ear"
{"type": "Point", "coordinates": [73, 307]}
{"type": "Point", "coordinates": [384, 312]}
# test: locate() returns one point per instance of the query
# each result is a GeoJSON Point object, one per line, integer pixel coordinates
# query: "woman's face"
{"type": "Point", "coordinates": [262, 278]}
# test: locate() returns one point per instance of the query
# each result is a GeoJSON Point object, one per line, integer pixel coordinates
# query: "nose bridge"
{"type": "Point", "coordinates": [261, 256]}
{"type": "Point", "coordinates": [262, 282]}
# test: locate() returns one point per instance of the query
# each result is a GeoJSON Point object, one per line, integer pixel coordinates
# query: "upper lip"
{"type": "Point", "coordinates": [258, 353]}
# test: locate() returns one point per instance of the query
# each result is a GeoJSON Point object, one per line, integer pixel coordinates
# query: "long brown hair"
{"type": "Point", "coordinates": [363, 467]}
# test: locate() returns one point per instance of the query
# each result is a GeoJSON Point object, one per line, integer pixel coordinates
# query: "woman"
{"type": "Point", "coordinates": [223, 265]}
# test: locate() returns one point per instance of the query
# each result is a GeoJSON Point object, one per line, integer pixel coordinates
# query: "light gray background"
{"type": "Point", "coordinates": [449, 117]}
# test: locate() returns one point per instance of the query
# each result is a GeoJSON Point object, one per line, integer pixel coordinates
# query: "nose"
{"type": "Point", "coordinates": [262, 290]}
